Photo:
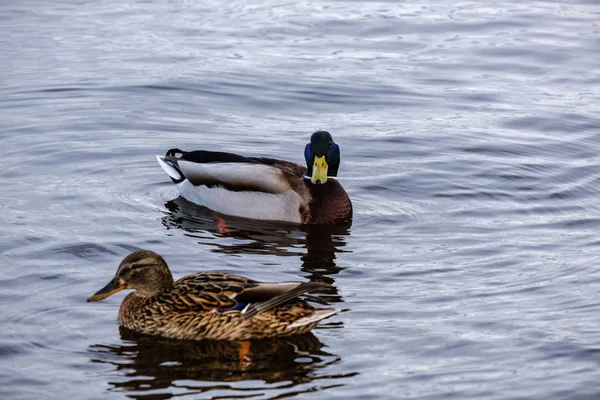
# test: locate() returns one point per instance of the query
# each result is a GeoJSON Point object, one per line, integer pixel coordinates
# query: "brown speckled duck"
{"type": "Point", "coordinates": [264, 188]}
{"type": "Point", "coordinates": [209, 305]}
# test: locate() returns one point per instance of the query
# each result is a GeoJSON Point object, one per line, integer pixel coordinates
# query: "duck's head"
{"type": "Point", "coordinates": [143, 271]}
{"type": "Point", "coordinates": [322, 156]}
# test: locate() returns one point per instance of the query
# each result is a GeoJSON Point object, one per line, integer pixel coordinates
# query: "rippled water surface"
{"type": "Point", "coordinates": [470, 143]}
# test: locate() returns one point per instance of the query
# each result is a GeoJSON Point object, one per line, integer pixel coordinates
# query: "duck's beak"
{"type": "Point", "coordinates": [319, 170]}
{"type": "Point", "coordinates": [113, 287]}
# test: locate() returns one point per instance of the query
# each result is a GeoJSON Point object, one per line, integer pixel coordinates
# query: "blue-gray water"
{"type": "Point", "coordinates": [470, 143]}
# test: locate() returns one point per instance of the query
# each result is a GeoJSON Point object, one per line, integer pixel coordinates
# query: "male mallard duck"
{"type": "Point", "coordinates": [209, 305]}
{"type": "Point", "coordinates": [264, 188]}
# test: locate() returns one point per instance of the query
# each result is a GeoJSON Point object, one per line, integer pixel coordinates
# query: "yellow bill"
{"type": "Point", "coordinates": [113, 287]}
{"type": "Point", "coordinates": [319, 170]}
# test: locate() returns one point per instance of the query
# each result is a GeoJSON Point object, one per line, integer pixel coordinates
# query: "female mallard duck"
{"type": "Point", "coordinates": [209, 305]}
{"type": "Point", "coordinates": [265, 188]}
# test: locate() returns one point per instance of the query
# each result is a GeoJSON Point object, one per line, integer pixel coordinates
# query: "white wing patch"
{"type": "Point", "coordinates": [318, 315]}
{"type": "Point", "coordinates": [259, 175]}
{"type": "Point", "coordinates": [283, 206]}
{"type": "Point", "coordinates": [172, 172]}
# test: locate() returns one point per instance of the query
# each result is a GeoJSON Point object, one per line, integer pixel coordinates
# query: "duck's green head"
{"type": "Point", "coordinates": [322, 156]}
{"type": "Point", "coordinates": [143, 271]}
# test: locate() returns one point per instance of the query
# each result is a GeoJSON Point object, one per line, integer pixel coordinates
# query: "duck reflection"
{"type": "Point", "coordinates": [149, 363]}
{"type": "Point", "coordinates": [316, 245]}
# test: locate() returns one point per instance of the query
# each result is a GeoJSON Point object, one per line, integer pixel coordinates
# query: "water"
{"type": "Point", "coordinates": [470, 148]}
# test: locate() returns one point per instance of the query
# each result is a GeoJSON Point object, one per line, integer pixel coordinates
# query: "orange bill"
{"type": "Point", "coordinates": [113, 287]}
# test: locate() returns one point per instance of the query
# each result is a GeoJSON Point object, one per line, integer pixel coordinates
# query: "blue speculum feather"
{"type": "Point", "coordinates": [238, 307]}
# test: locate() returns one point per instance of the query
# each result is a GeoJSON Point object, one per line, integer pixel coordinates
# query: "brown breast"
{"type": "Point", "coordinates": [329, 203]}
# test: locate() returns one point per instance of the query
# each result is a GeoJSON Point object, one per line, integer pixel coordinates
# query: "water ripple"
{"type": "Point", "coordinates": [469, 137]}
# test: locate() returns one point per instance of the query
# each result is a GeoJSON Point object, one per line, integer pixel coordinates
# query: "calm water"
{"type": "Point", "coordinates": [470, 145]}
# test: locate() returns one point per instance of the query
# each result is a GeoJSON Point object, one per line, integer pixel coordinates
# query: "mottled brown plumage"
{"type": "Point", "coordinates": [207, 305]}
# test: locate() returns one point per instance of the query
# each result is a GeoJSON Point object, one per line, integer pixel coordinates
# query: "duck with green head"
{"type": "Point", "coordinates": [209, 305]}
{"type": "Point", "coordinates": [265, 188]}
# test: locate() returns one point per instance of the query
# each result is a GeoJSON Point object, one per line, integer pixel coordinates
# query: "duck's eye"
{"type": "Point", "coordinates": [329, 144]}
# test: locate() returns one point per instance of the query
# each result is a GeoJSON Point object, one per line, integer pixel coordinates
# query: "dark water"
{"type": "Point", "coordinates": [470, 145]}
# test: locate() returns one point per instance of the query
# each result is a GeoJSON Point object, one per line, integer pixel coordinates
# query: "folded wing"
{"type": "Point", "coordinates": [231, 171]}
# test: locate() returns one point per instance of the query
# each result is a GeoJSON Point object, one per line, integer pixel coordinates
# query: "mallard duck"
{"type": "Point", "coordinates": [209, 305]}
{"type": "Point", "coordinates": [264, 188]}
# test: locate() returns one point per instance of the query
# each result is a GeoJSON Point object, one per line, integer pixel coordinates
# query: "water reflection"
{"type": "Point", "coordinates": [322, 243]}
{"type": "Point", "coordinates": [166, 367]}
{"type": "Point", "coordinates": [252, 236]}
{"type": "Point", "coordinates": [315, 245]}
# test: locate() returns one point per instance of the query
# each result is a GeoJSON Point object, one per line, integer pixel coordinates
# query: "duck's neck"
{"type": "Point", "coordinates": [130, 307]}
